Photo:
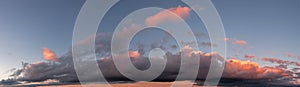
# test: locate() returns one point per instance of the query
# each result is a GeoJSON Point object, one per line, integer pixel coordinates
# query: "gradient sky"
{"type": "Point", "coordinates": [270, 27]}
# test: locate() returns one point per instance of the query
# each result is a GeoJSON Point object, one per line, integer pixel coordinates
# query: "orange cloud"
{"type": "Point", "coordinates": [166, 16]}
{"type": "Point", "coordinates": [134, 54]}
{"type": "Point", "coordinates": [250, 56]}
{"type": "Point", "coordinates": [250, 70]}
{"type": "Point", "coordinates": [240, 42]}
{"type": "Point", "coordinates": [49, 55]}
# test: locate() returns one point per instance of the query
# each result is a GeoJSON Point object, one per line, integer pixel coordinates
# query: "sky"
{"type": "Point", "coordinates": [29, 26]}
{"type": "Point", "coordinates": [264, 28]}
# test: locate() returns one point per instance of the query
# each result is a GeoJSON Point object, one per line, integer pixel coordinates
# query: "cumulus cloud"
{"type": "Point", "coordinates": [49, 55]}
{"type": "Point", "coordinates": [250, 70]}
{"type": "Point", "coordinates": [64, 71]}
{"type": "Point", "coordinates": [41, 71]}
{"type": "Point", "coordinates": [166, 16]}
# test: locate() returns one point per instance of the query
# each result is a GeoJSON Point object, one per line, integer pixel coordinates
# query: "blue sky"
{"type": "Point", "coordinates": [29, 26]}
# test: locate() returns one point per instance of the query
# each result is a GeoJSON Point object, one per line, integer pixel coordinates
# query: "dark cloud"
{"type": "Point", "coordinates": [63, 69]}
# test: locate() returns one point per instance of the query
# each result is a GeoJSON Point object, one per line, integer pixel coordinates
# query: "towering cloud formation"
{"type": "Point", "coordinates": [64, 70]}
{"type": "Point", "coordinates": [49, 55]}
{"type": "Point", "coordinates": [166, 16]}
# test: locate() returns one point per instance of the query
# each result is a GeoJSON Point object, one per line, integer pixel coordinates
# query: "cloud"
{"type": "Point", "coordinates": [236, 50]}
{"type": "Point", "coordinates": [134, 54]}
{"type": "Point", "coordinates": [126, 32]}
{"type": "Point", "coordinates": [49, 55]}
{"type": "Point", "coordinates": [279, 61]}
{"type": "Point", "coordinates": [240, 42]}
{"type": "Point", "coordinates": [63, 71]}
{"type": "Point", "coordinates": [41, 71]}
{"type": "Point", "coordinates": [250, 70]}
{"type": "Point", "coordinates": [296, 82]}
{"type": "Point", "coordinates": [276, 60]}
{"type": "Point", "coordinates": [250, 56]}
{"type": "Point", "coordinates": [291, 55]}
{"type": "Point", "coordinates": [166, 16]}
{"type": "Point", "coordinates": [208, 44]}
{"type": "Point", "coordinates": [227, 39]}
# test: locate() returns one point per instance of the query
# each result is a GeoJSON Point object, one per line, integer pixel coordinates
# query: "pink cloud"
{"type": "Point", "coordinates": [240, 42]}
{"type": "Point", "coordinates": [291, 55]}
{"type": "Point", "coordinates": [227, 39]}
{"type": "Point", "coordinates": [250, 56]}
{"type": "Point", "coordinates": [49, 55]}
{"type": "Point", "coordinates": [166, 16]}
{"type": "Point", "coordinates": [134, 54]}
{"type": "Point", "coordinates": [275, 60]}
{"type": "Point", "coordinates": [279, 61]}
{"type": "Point", "coordinates": [235, 68]}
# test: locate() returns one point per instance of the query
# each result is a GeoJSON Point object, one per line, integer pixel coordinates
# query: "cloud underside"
{"type": "Point", "coordinates": [63, 69]}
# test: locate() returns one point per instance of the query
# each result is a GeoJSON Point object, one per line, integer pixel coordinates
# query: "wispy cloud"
{"type": "Point", "coordinates": [250, 56]}
{"type": "Point", "coordinates": [291, 55]}
{"type": "Point", "coordinates": [208, 44]}
{"type": "Point", "coordinates": [227, 39]}
{"type": "Point", "coordinates": [279, 61]}
{"type": "Point", "coordinates": [166, 16]}
{"type": "Point", "coordinates": [240, 42]}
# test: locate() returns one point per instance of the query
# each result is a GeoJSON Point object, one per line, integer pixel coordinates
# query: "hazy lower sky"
{"type": "Point", "coordinates": [270, 27]}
